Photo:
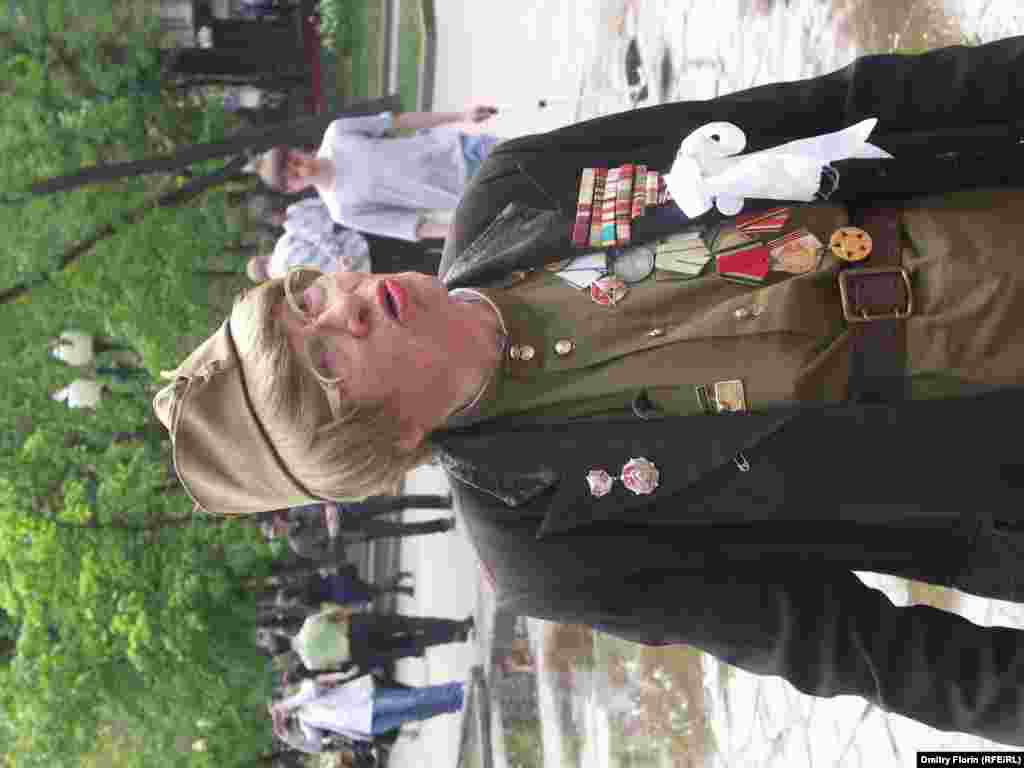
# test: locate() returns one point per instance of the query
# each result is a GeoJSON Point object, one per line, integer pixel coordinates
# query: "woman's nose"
{"type": "Point", "coordinates": [348, 313]}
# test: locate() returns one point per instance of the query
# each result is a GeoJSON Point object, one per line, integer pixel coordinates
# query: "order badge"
{"type": "Point", "coordinates": [730, 396]}
{"type": "Point", "coordinates": [850, 244]}
{"type": "Point", "coordinates": [608, 291]}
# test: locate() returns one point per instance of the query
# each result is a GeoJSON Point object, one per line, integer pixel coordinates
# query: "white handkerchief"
{"type": "Point", "coordinates": [710, 171]}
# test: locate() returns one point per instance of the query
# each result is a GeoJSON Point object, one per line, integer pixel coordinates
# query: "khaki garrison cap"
{"type": "Point", "coordinates": [222, 453]}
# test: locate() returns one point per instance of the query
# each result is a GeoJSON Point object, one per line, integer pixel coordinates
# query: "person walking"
{"type": "Point", "coordinates": [342, 586]}
{"type": "Point", "coordinates": [321, 532]}
{"type": "Point", "coordinates": [358, 709]}
{"type": "Point", "coordinates": [338, 638]}
{"type": "Point", "coordinates": [372, 506]}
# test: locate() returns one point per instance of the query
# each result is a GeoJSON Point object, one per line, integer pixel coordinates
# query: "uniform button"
{"type": "Point", "coordinates": [757, 311]}
{"type": "Point", "coordinates": [742, 313]}
{"type": "Point", "coordinates": [656, 332]}
{"type": "Point", "coordinates": [564, 347]}
{"type": "Point", "coordinates": [521, 352]}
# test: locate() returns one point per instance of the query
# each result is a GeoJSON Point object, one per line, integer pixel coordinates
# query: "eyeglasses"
{"type": "Point", "coordinates": [308, 293]}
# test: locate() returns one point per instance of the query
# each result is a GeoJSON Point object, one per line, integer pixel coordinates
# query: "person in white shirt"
{"type": "Point", "coordinates": [81, 393]}
{"type": "Point", "coordinates": [404, 188]}
{"type": "Point", "coordinates": [357, 709]}
{"type": "Point", "coordinates": [311, 239]}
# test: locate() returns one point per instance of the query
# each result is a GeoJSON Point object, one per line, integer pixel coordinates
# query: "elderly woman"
{"type": "Point", "coordinates": [591, 437]}
{"type": "Point", "coordinates": [358, 709]}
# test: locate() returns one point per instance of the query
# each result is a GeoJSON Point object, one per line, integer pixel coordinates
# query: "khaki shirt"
{"type": "Point", "coordinates": [666, 337]}
{"type": "Point", "coordinates": [787, 341]}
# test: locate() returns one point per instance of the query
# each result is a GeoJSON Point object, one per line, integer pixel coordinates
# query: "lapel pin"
{"type": "Point", "coordinates": [600, 482]}
{"type": "Point", "coordinates": [640, 476]}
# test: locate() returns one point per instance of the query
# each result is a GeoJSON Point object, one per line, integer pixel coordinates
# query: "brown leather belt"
{"type": "Point", "coordinates": [877, 299]}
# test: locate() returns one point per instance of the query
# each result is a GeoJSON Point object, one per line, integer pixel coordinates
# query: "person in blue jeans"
{"type": "Point", "coordinates": [358, 709]}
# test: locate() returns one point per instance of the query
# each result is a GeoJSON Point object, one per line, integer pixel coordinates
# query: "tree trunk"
{"type": "Point", "coordinates": [220, 273]}
{"type": "Point", "coordinates": [241, 247]}
{"type": "Point", "coordinates": [264, 36]}
{"type": "Point", "coordinates": [296, 132]}
{"type": "Point", "coordinates": [239, 62]}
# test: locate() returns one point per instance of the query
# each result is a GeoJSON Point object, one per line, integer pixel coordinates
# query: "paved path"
{"type": "Point", "coordinates": [448, 585]}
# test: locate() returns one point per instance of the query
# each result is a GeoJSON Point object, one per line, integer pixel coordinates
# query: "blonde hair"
{"type": "Point", "coordinates": [256, 267]}
{"type": "Point", "coordinates": [346, 458]}
{"type": "Point", "coordinates": [270, 167]}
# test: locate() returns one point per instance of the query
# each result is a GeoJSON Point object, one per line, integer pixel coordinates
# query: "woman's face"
{"type": "Point", "coordinates": [386, 338]}
{"type": "Point", "coordinates": [299, 168]}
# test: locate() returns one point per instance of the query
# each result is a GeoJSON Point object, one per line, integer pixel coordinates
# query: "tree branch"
{"type": "Point", "coordinates": [307, 130]}
{"type": "Point", "coordinates": [175, 197]}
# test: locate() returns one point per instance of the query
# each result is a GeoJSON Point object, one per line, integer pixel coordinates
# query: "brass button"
{"type": "Point", "coordinates": [564, 347]}
{"type": "Point", "coordinates": [742, 313]}
{"type": "Point", "coordinates": [656, 332]}
{"type": "Point", "coordinates": [757, 311]}
{"type": "Point", "coordinates": [522, 352]}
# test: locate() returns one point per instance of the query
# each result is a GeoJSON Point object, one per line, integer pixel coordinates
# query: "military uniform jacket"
{"type": "Point", "coordinates": [755, 566]}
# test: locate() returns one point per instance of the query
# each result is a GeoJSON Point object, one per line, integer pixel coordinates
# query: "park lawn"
{"type": "Point", "coordinates": [361, 76]}
{"type": "Point", "coordinates": [359, 66]}
{"type": "Point", "coordinates": [410, 52]}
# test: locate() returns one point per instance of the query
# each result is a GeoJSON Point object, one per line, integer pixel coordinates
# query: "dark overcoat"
{"type": "Point", "coordinates": [755, 567]}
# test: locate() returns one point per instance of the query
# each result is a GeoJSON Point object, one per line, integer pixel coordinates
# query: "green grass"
{"type": "Point", "coordinates": [367, 72]}
{"type": "Point", "coordinates": [410, 53]}
{"type": "Point", "coordinates": [358, 54]}
{"type": "Point", "coordinates": [356, 59]}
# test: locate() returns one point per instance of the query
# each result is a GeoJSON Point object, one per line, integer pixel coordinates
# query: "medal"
{"type": "Point", "coordinates": [639, 475]}
{"type": "Point", "coordinates": [608, 291]}
{"type": "Point", "coordinates": [730, 397]}
{"type": "Point", "coordinates": [850, 244]}
{"type": "Point", "coordinates": [796, 253]}
{"type": "Point", "coordinates": [632, 264]}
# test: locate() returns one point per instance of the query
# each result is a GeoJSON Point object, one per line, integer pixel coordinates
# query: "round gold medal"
{"type": "Point", "coordinates": [850, 244]}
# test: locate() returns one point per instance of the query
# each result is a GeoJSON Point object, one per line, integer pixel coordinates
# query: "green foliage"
{"type": "Point", "coordinates": [410, 51]}
{"type": "Point", "coordinates": [149, 628]}
{"type": "Point", "coordinates": [133, 631]}
{"type": "Point", "coordinates": [524, 745]}
{"type": "Point", "coordinates": [341, 23]}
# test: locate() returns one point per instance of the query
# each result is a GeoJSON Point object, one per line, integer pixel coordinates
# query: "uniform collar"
{"type": "Point", "coordinates": [518, 334]}
{"type": "Point", "coordinates": [465, 414]}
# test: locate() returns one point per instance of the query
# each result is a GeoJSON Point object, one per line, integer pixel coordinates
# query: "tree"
{"type": "Point", "coordinates": [139, 624]}
{"type": "Point", "coordinates": [130, 622]}
{"type": "Point", "coordinates": [305, 131]}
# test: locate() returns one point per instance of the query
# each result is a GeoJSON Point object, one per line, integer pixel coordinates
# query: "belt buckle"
{"type": "Point", "coordinates": [861, 315]}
